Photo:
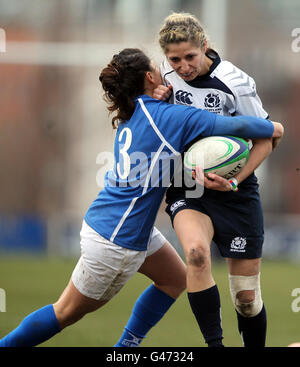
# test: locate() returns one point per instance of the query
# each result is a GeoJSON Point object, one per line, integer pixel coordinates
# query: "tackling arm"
{"type": "Point", "coordinates": [246, 127]}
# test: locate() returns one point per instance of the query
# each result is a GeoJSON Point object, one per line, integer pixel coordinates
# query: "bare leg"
{"type": "Point", "coordinates": [167, 270]}
{"type": "Point", "coordinates": [195, 232]}
{"type": "Point", "coordinates": [72, 306]}
{"type": "Point", "coordinates": [49, 320]}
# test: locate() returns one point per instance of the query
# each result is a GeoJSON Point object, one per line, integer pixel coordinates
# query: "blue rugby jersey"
{"type": "Point", "coordinates": [146, 147]}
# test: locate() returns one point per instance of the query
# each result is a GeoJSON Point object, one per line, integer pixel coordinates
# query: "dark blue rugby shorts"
{"type": "Point", "coordinates": [237, 218]}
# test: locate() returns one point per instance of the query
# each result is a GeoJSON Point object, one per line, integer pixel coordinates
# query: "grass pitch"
{"type": "Point", "coordinates": [33, 282]}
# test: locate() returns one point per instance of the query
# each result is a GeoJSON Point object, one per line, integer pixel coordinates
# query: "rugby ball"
{"type": "Point", "coordinates": [222, 155]}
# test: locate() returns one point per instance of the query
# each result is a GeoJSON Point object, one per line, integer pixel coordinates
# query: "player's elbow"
{"type": "Point", "coordinates": [278, 130]}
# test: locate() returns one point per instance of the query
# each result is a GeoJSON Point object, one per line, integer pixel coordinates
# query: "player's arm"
{"type": "Point", "coordinates": [261, 149]}
{"type": "Point", "coordinates": [249, 103]}
{"type": "Point", "coordinates": [276, 141]}
{"type": "Point", "coordinates": [247, 127]}
{"type": "Point", "coordinates": [188, 123]}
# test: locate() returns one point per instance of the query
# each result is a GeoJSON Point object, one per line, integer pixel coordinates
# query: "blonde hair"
{"type": "Point", "coordinates": [181, 27]}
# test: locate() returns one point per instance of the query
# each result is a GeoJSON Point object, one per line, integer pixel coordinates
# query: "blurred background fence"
{"type": "Point", "coordinates": [53, 122]}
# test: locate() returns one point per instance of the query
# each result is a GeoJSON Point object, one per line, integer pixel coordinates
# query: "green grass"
{"type": "Point", "coordinates": [31, 283]}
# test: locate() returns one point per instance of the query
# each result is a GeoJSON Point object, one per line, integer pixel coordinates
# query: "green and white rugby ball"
{"type": "Point", "coordinates": [222, 155]}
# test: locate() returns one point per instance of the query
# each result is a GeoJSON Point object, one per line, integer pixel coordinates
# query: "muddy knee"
{"type": "Point", "coordinates": [198, 256]}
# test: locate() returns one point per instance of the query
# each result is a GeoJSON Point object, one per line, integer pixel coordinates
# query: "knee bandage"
{"type": "Point", "coordinates": [240, 283]}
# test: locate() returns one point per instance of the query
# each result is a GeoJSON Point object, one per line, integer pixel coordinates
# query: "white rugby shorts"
{"type": "Point", "coordinates": [104, 267]}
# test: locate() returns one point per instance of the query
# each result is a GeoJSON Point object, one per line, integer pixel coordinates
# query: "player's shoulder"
{"type": "Point", "coordinates": [166, 70]}
{"type": "Point", "coordinates": [235, 78]}
{"type": "Point", "coordinates": [165, 67]}
{"type": "Point", "coordinates": [148, 105]}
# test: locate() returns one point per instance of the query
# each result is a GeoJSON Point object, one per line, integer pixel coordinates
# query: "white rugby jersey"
{"type": "Point", "coordinates": [224, 90]}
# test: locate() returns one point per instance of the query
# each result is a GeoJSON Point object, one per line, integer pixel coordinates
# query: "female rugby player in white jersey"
{"type": "Point", "coordinates": [119, 223]}
{"type": "Point", "coordinates": [229, 214]}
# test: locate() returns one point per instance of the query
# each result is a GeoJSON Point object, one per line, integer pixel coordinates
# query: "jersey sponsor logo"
{"type": "Point", "coordinates": [238, 244]}
{"type": "Point", "coordinates": [183, 97]}
{"type": "Point", "coordinates": [212, 102]}
{"type": "Point", "coordinates": [176, 205]}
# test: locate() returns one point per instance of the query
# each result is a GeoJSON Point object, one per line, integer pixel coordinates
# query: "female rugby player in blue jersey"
{"type": "Point", "coordinates": [118, 225]}
{"type": "Point", "coordinates": [229, 214]}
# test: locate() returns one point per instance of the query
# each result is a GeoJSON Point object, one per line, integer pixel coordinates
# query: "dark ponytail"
{"type": "Point", "coordinates": [123, 81]}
